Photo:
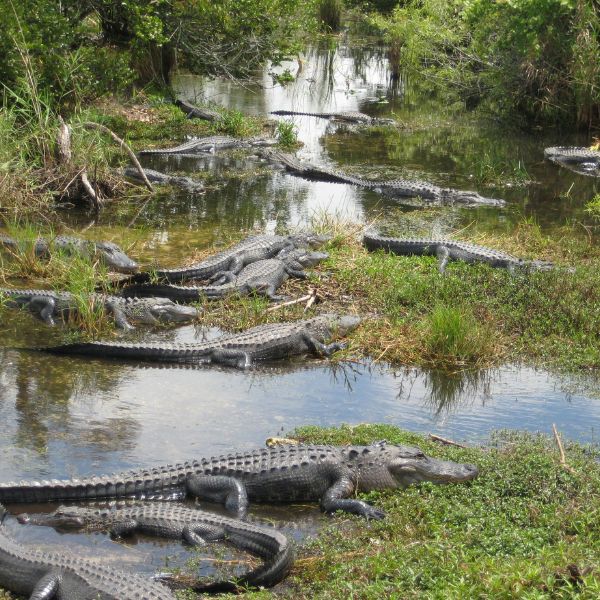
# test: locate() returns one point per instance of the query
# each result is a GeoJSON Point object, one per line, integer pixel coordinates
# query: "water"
{"type": "Point", "coordinates": [63, 417]}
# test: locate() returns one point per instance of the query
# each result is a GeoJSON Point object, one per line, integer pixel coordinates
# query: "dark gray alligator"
{"type": "Point", "coordinates": [212, 144]}
{"type": "Point", "coordinates": [350, 116]}
{"type": "Point", "coordinates": [234, 259]}
{"type": "Point", "coordinates": [163, 178]}
{"type": "Point", "coordinates": [330, 475]}
{"type": "Point", "coordinates": [42, 575]}
{"type": "Point", "coordinates": [447, 250]}
{"type": "Point", "coordinates": [395, 188]}
{"type": "Point", "coordinates": [107, 252]}
{"type": "Point", "coordinates": [262, 277]}
{"type": "Point", "coordinates": [581, 160]}
{"type": "Point", "coordinates": [193, 526]}
{"type": "Point", "coordinates": [195, 112]}
{"type": "Point", "coordinates": [273, 341]}
{"type": "Point", "coordinates": [49, 305]}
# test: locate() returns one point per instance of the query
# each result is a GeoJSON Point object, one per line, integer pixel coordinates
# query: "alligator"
{"type": "Point", "coordinates": [262, 277]}
{"type": "Point", "coordinates": [331, 475]}
{"type": "Point", "coordinates": [42, 575]}
{"type": "Point", "coordinates": [211, 144]}
{"type": "Point", "coordinates": [193, 526]}
{"type": "Point", "coordinates": [345, 116]}
{"type": "Point", "coordinates": [393, 188]}
{"type": "Point", "coordinates": [195, 112]}
{"type": "Point", "coordinates": [107, 252]}
{"type": "Point", "coordinates": [163, 178]}
{"type": "Point", "coordinates": [49, 305]}
{"type": "Point", "coordinates": [581, 160]}
{"type": "Point", "coordinates": [447, 250]}
{"type": "Point", "coordinates": [233, 260]}
{"type": "Point", "coordinates": [262, 343]}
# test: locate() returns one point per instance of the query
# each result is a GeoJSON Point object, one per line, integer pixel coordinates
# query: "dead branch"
{"type": "Point", "coordinates": [437, 438]}
{"type": "Point", "coordinates": [312, 299]}
{"type": "Point", "coordinates": [63, 143]}
{"type": "Point", "coordinates": [90, 190]}
{"type": "Point", "coordinates": [290, 303]}
{"type": "Point", "coordinates": [563, 460]}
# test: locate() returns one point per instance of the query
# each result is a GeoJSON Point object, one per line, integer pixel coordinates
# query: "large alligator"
{"type": "Point", "coordinates": [193, 526]}
{"type": "Point", "coordinates": [49, 305]}
{"type": "Point", "coordinates": [273, 341]}
{"type": "Point", "coordinates": [350, 116]}
{"type": "Point", "coordinates": [234, 259]}
{"type": "Point", "coordinates": [164, 179]}
{"type": "Point", "coordinates": [211, 144]}
{"type": "Point", "coordinates": [393, 188]}
{"type": "Point", "coordinates": [262, 278]}
{"type": "Point", "coordinates": [107, 252]}
{"type": "Point", "coordinates": [195, 112]}
{"type": "Point", "coordinates": [581, 160]}
{"type": "Point", "coordinates": [447, 250]}
{"type": "Point", "coordinates": [43, 575]}
{"type": "Point", "coordinates": [331, 475]}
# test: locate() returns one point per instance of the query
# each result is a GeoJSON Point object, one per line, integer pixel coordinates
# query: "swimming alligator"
{"type": "Point", "coordinates": [272, 341]}
{"type": "Point", "coordinates": [107, 252]}
{"type": "Point", "coordinates": [393, 188]}
{"type": "Point", "coordinates": [447, 250]}
{"type": "Point", "coordinates": [331, 475]}
{"type": "Point", "coordinates": [163, 178]}
{"type": "Point", "coordinates": [350, 116]}
{"type": "Point", "coordinates": [211, 144]}
{"type": "Point", "coordinates": [49, 305]}
{"type": "Point", "coordinates": [262, 277]}
{"type": "Point", "coordinates": [42, 575]}
{"type": "Point", "coordinates": [192, 525]}
{"type": "Point", "coordinates": [233, 260]}
{"type": "Point", "coordinates": [581, 160]}
{"type": "Point", "coordinates": [195, 112]}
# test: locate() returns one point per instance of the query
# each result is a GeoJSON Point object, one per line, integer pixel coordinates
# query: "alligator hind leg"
{"type": "Point", "coordinates": [443, 255]}
{"type": "Point", "coordinates": [233, 358]}
{"type": "Point", "coordinates": [46, 588]}
{"type": "Point", "coordinates": [335, 498]}
{"type": "Point", "coordinates": [219, 488]}
{"type": "Point", "coordinates": [201, 533]}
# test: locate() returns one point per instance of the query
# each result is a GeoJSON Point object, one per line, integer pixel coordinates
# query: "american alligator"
{"type": "Point", "coordinates": [346, 116]}
{"type": "Point", "coordinates": [49, 305]}
{"type": "Point", "coordinates": [211, 144]}
{"type": "Point", "coordinates": [393, 188]}
{"type": "Point", "coordinates": [272, 341]}
{"type": "Point", "coordinates": [42, 575]}
{"type": "Point", "coordinates": [330, 475]}
{"type": "Point", "coordinates": [262, 277]}
{"type": "Point", "coordinates": [163, 178]}
{"type": "Point", "coordinates": [447, 250]}
{"type": "Point", "coordinates": [107, 252]}
{"type": "Point", "coordinates": [580, 160]}
{"type": "Point", "coordinates": [195, 112]}
{"type": "Point", "coordinates": [251, 249]}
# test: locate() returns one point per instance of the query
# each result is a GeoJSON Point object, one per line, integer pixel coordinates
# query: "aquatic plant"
{"type": "Point", "coordinates": [286, 134]}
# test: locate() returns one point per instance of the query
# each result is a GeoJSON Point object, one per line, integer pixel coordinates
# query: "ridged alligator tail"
{"type": "Point", "coordinates": [345, 116]}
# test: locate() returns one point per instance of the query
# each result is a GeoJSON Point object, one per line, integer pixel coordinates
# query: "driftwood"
{"type": "Point", "coordinates": [63, 143]}
{"type": "Point", "coordinates": [563, 460]}
{"type": "Point", "coordinates": [441, 440]}
{"type": "Point", "coordinates": [306, 299]}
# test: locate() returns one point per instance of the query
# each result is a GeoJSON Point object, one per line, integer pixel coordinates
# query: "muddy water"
{"type": "Point", "coordinates": [61, 417]}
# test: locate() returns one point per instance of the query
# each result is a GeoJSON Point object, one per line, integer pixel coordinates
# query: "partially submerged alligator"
{"type": "Point", "coordinates": [272, 341]}
{"type": "Point", "coordinates": [330, 475]}
{"type": "Point", "coordinates": [394, 188]}
{"type": "Point", "coordinates": [195, 112]}
{"type": "Point", "coordinates": [580, 160]}
{"type": "Point", "coordinates": [107, 252]}
{"type": "Point", "coordinates": [350, 116]}
{"type": "Point", "coordinates": [49, 305]}
{"type": "Point", "coordinates": [211, 144]}
{"type": "Point", "coordinates": [42, 575]}
{"type": "Point", "coordinates": [447, 250]}
{"type": "Point", "coordinates": [262, 277]}
{"type": "Point", "coordinates": [193, 526]}
{"type": "Point", "coordinates": [163, 178]}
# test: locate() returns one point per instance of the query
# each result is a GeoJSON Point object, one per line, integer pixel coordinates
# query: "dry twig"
{"type": "Point", "coordinates": [563, 460]}
{"type": "Point", "coordinates": [437, 438]}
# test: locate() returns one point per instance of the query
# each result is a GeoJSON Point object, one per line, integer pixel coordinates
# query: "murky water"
{"type": "Point", "coordinates": [61, 417]}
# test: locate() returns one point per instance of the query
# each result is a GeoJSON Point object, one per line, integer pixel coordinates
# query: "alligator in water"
{"type": "Point", "coordinates": [163, 178]}
{"type": "Point", "coordinates": [195, 527]}
{"type": "Point", "coordinates": [108, 253]}
{"type": "Point", "coordinates": [273, 341]}
{"type": "Point", "coordinates": [234, 259]}
{"type": "Point", "coordinates": [262, 277]}
{"type": "Point", "coordinates": [331, 475]}
{"type": "Point", "coordinates": [447, 250]}
{"type": "Point", "coordinates": [394, 188]}
{"type": "Point", "coordinates": [42, 575]}
{"type": "Point", "coordinates": [345, 117]}
{"type": "Point", "coordinates": [195, 112]}
{"type": "Point", "coordinates": [211, 144]}
{"type": "Point", "coordinates": [581, 160]}
{"type": "Point", "coordinates": [49, 305]}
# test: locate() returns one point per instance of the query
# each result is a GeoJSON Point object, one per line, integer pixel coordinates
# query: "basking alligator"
{"type": "Point", "coordinates": [394, 188]}
{"type": "Point", "coordinates": [447, 250]}
{"type": "Point", "coordinates": [195, 527]}
{"type": "Point", "coordinates": [42, 575]}
{"type": "Point", "coordinates": [195, 112]}
{"type": "Point", "coordinates": [330, 475]}
{"type": "Point", "coordinates": [211, 144]}
{"type": "Point", "coordinates": [49, 305]}
{"type": "Point", "coordinates": [580, 160]}
{"type": "Point", "coordinates": [249, 250]}
{"type": "Point", "coordinates": [107, 252]}
{"type": "Point", "coordinates": [346, 116]}
{"type": "Point", "coordinates": [163, 178]}
{"type": "Point", "coordinates": [272, 341]}
{"type": "Point", "coordinates": [262, 277]}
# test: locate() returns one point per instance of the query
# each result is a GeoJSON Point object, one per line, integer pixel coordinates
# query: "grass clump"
{"type": "Point", "coordinates": [287, 135]}
{"type": "Point", "coordinates": [593, 207]}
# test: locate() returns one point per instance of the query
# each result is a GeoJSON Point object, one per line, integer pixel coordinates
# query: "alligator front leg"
{"type": "Point", "coordinates": [219, 488]}
{"type": "Point", "coordinates": [336, 498]}
{"type": "Point", "coordinates": [202, 533]}
{"type": "Point", "coordinates": [320, 349]}
{"type": "Point", "coordinates": [44, 307]}
{"type": "Point", "coordinates": [443, 254]}
{"type": "Point", "coordinates": [46, 588]}
{"type": "Point", "coordinates": [118, 315]}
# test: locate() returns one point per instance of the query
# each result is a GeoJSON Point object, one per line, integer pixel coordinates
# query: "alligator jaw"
{"type": "Point", "coordinates": [418, 468]}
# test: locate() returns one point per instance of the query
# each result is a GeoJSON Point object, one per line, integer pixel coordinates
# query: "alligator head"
{"type": "Point", "coordinates": [64, 516]}
{"type": "Point", "coordinates": [328, 325]}
{"type": "Point", "coordinates": [114, 258]}
{"type": "Point", "coordinates": [309, 239]}
{"type": "Point", "coordinates": [167, 311]}
{"type": "Point", "coordinates": [308, 258]}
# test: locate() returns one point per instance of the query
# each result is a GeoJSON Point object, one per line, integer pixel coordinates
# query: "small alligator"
{"type": "Point", "coordinates": [195, 112]}
{"type": "Point", "coordinates": [49, 305]}
{"type": "Point", "coordinates": [233, 260]}
{"type": "Point", "coordinates": [331, 475]}
{"type": "Point", "coordinates": [43, 575]}
{"type": "Point", "coordinates": [272, 341]}
{"type": "Point", "coordinates": [163, 178]}
{"type": "Point", "coordinates": [580, 160]}
{"type": "Point", "coordinates": [262, 277]}
{"type": "Point", "coordinates": [346, 116]}
{"type": "Point", "coordinates": [211, 144]}
{"type": "Point", "coordinates": [193, 526]}
{"type": "Point", "coordinates": [447, 250]}
{"type": "Point", "coordinates": [107, 252]}
{"type": "Point", "coordinates": [394, 188]}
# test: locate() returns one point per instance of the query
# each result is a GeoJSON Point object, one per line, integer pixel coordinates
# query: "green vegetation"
{"type": "Point", "coordinates": [593, 207]}
{"type": "Point", "coordinates": [330, 14]}
{"type": "Point", "coordinates": [287, 134]}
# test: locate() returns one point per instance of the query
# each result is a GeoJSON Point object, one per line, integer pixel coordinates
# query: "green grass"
{"type": "Point", "coordinates": [330, 14]}
{"type": "Point", "coordinates": [287, 134]}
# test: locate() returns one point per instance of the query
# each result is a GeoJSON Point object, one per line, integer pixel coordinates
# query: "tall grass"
{"type": "Point", "coordinates": [330, 14]}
